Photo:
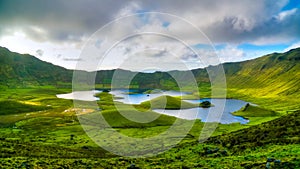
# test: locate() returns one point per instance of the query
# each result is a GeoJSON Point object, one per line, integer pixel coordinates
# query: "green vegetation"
{"type": "Point", "coordinates": [171, 103]}
{"type": "Point", "coordinates": [13, 107]}
{"type": "Point", "coordinates": [111, 112]}
{"type": "Point", "coordinates": [117, 120]}
{"type": "Point", "coordinates": [205, 104]}
{"type": "Point", "coordinates": [56, 133]}
{"type": "Point", "coordinates": [26, 71]}
{"type": "Point", "coordinates": [257, 115]}
{"type": "Point", "coordinates": [39, 130]}
{"type": "Point", "coordinates": [247, 148]}
{"type": "Point", "coordinates": [254, 111]}
{"type": "Point", "coordinates": [271, 80]}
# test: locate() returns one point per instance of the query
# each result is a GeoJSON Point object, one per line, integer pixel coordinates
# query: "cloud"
{"type": "Point", "coordinates": [271, 30]}
{"type": "Point", "coordinates": [161, 53]}
{"type": "Point", "coordinates": [284, 14]}
{"type": "Point", "coordinates": [72, 59]}
{"type": "Point", "coordinates": [231, 53]}
{"type": "Point", "coordinates": [70, 24]}
{"type": "Point", "coordinates": [39, 52]}
{"type": "Point", "coordinates": [222, 20]}
{"type": "Point", "coordinates": [293, 46]}
{"type": "Point", "coordinates": [56, 20]}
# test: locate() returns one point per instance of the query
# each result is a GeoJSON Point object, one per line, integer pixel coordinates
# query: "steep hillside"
{"type": "Point", "coordinates": [273, 75]}
{"type": "Point", "coordinates": [284, 130]}
{"type": "Point", "coordinates": [19, 70]}
{"type": "Point", "coordinates": [23, 70]}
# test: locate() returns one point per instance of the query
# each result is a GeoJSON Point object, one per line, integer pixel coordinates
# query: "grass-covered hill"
{"type": "Point", "coordinates": [273, 75]}
{"type": "Point", "coordinates": [17, 70]}
{"type": "Point", "coordinates": [23, 71]}
{"type": "Point", "coordinates": [276, 139]}
{"type": "Point", "coordinates": [269, 80]}
{"type": "Point", "coordinates": [36, 124]}
{"type": "Point", "coordinates": [282, 130]}
{"type": "Point", "coordinates": [250, 148]}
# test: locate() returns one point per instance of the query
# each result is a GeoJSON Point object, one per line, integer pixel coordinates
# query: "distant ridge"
{"type": "Point", "coordinates": [276, 74]}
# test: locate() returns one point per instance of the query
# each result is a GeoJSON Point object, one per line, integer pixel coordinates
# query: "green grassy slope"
{"type": "Point", "coordinates": [14, 107]}
{"type": "Point", "coordinates": [67, 146]}
{"type": "Point", "coordinates": [257, 115]}
{"type": "Point", "coordinates": [284, 130]}
{"type": "Point", "coordinates": [271, 76]}
{"type": "Point", "coordinates": [246, 148]}
{"type": "Point", "coordinates": [17, 70]}
{"type": "Point", "coordinates": [254, 111]}
{"type": "Point", "coordinates": [114, 113]}
{"type": "Point", "coordinates": [275, 74]}
{"type": "Point", "coordinates": [54, 137]}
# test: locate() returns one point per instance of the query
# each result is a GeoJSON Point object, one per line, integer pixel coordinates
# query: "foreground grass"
{"type": "Point", "coordinates": [247, 148]}
{"type": "Point", "coordinates": [14, 107]}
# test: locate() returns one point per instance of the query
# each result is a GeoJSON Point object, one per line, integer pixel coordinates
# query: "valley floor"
{"type": "Point", "coordinates": [43, 131]}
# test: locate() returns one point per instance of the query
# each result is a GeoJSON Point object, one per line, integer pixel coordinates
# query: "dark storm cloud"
{"type": "Point", "coordinates": [230, 21]}
{"type": "Point", "coordinates": [57, 20]}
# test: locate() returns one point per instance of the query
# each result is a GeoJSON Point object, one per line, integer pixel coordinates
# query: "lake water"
{"type": "Point", "coordinates": [216, 113]}
{"type": "Point", "coordinates": [138, 98]}
{"type": "Point", "coordinates": [220, 112]}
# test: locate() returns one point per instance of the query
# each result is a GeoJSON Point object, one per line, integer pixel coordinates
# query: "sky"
{"type": "Point", "coordinates": [148, 35]}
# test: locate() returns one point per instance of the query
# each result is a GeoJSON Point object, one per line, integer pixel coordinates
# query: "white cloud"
{"type": "Point", "coordinates": [293, 46]}
{"type": "Point", "coordinates": [129, 9]}
{"type": "Point", "coordinates": [39, 52]}
{"type": "Point", "coordinates": [63, 32]}
{"type": "Point", "coordinates": [230, 54]}
{"type": "Point", "coordinates": [284, 14]}
{"type": "Point", "coordinates": [45, 51]}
